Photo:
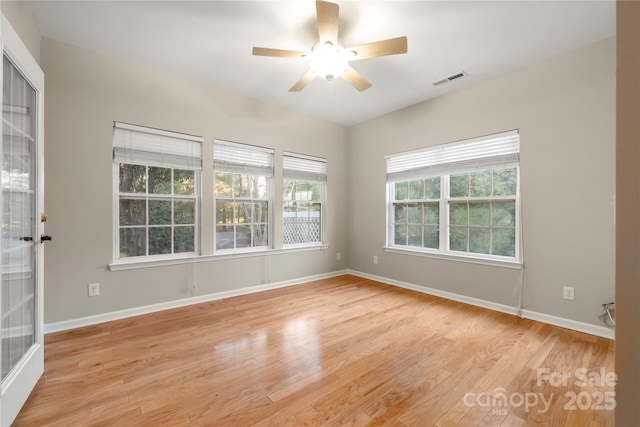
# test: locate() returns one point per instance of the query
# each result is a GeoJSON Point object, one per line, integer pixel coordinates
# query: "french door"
{"type": "Point", "coordinates": [22, 349]}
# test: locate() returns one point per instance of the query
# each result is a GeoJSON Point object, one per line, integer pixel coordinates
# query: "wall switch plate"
{"type": "Point", "coordinates": [567, 293]}
{"type": "Point", "coordinates": [94, 289]}
{"type": "Point", "coordinates": [375, 259]}
{"type": "Point", "coordinates": [338, 256]}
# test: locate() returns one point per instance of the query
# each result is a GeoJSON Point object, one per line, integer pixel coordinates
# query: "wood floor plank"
{"type": "Point", "coordinates": [332, 352]}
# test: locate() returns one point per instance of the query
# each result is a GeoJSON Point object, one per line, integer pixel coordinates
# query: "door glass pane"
{"type": "Point", "coordinates": [18, 225]}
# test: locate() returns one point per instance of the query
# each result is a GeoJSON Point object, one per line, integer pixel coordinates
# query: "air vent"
{"type": "Point", "coordinates": [450, 78]}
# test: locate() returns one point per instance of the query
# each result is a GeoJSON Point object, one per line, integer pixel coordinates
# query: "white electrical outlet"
{"type": "Point", "coordinates": [338, 256]}
{"type": "Point", "coordinates": [567, 293]}
{"type": "Point", "coordinates": [94, 289]}
{"type": "Point", "coordinates": [375, 259]}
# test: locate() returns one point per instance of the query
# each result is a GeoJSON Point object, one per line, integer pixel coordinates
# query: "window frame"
{"type": "Point", "coordinates": [238, 166]}
{"type": "Point", "coordinates": [137, 160]}
{"type": "Point", "coordinates": [444, 250]}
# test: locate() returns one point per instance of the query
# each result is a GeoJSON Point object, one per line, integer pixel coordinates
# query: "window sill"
{"type": "Point", "coordinates": [135, 264]}
{"type": "Point", "coordinates": [494, 262]}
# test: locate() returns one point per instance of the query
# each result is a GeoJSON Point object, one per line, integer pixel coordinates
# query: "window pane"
{"type": "Point", "coordinates": [224, 184]}
{"type": "Point", "coordinates": [303, 192]}
{"type": "Point", "coordinates": [259, 187]}
{"type": "Point", "coordinates": [400, 213]}
{"type": "Point", "coordinates": [183, 239]}
{"type": "Point", "coordinates": [503, 214]}
{"type": "Point", "coordinates": [133, 211]}
{"type": "Point", "coordinates": [503, 242]}
{"type": "Point", "coordinates": [431, 237]}
{"type": "Point", "coordinates": [288, 187]}
{"type": "Point", "coordinates": [159, 212]}
{"type": "Point", "coordinates": [414, 213]}
{"type": "Point", "coordinates": [224, 237]}
{"type": "Point", "coordinates": [400, 234]}
{"type": "Point", "coordinates": [480, 184]}
{"type": "Point", "coordinates": [505, 182]}
{"type": "Point", "coordinates": [184, 212]}
{"type": "Point", "coordinates": [133, 242]}
{"type": "Point", "coordinates": [401, 190]}
{"type": "Point", "coordinates": [415, 235]}
{"type": "Point", "coordinates": [289, 209]}
{"type": "Point", "coordinates": [159, 240]}
{"type": "Point", "coordinates": [133, 178]}
{"type": "Point", "coordinates": [458, 214]}
{"type": "Point", "coordinates": [184, 182]}
{"type": "Point", "coordinates": [416, 189]}
{"type": "Point", "coordinates": [241, 186]}
{"type": "Point", "coordinates": [224, 212]}
{"type": "Point", "coordinates": [431, 213]}
{"type": "Point", "coordinates": [302, 211]}
{"type": "Point", "coordinates": [459, 185]}
{"type": "Point", "coordinates": [458, 238]}
{"type": "Point", "coordinates": [479, 240]}
{"type": "Point", "coordinates": [260, 211]}
{"type": "Point", "coordinates": [159, 180]}
{"type": "Point", "coordinates": [243, 236]}
{"type": "Point", "coordinates": [432, 188]}
{"type": "Point", "coordinates": [243, 212]}
{"type": "Point", "coordinates": [316, 190]}
{"type": "Point", "coordinates": [479, 213]}
{"type": "Point", "coordinates": [260, 235]}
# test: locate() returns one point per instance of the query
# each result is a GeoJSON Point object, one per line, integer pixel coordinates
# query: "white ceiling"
{"type": "Point", "coordinates": [211, 42]}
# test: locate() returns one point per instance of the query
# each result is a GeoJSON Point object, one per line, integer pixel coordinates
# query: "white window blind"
{"type": "Point", "coordinates": [242, 158]}
{"type": "Point", "coordinates": [299, 166]}
{"type": "Point", "coordinates": [497, 150]}
{"type": "Point", "coordinates": [137, 144]}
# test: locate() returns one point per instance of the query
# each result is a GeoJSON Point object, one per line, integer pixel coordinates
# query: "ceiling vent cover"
{"type": "Point", "coordinates": [450, 78]}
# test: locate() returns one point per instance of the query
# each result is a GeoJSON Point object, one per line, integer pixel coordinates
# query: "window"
{"type": "Point", "coordinates": [459, 199]}
{"type": "Point", "coordinates": [242, 195]}
{"type": "Point", "coordinates": [157, 185]}
{"type": "Point", "coordinates": [304, 179]}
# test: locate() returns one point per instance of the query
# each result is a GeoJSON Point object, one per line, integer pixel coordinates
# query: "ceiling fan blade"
{"type": "Point", "coordinates": [327, 21]}
{"type": "Point", "coordinates": [278, 53]}
{"type": "Point", "coordinates": [381, 48]}
{"type": "Point", "coordinates": [354, 78]}
{"type": "Point", "coordinates": [304, 81]}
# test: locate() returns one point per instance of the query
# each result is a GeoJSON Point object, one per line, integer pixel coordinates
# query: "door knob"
{"type": "Point", "coordinates": [45, 238]}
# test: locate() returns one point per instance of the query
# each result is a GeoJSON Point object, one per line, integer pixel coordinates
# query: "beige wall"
{"type": "Point", "coordinates": [564, 108]}
{"type": "Point", "coordinates": [85, 93]}
{"type": "Point", "coordinates": [628, 215]}
{"type": "Point", "coordinates": [19, 15]}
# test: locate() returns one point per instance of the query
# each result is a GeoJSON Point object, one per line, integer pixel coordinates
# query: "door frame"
{"type": "Point", "coordinates": [15, 389]}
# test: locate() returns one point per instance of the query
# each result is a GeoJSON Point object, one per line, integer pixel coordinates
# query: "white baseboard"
{"type": "Point", "coordinates": [136, 311]}
{"type": "Point", "coordinates": [588, 328]}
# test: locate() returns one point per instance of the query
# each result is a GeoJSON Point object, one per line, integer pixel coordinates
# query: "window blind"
{"type": "Point", "coordinates": [497, 150]}
{"type": "Point", "coordinates": [242, 158]}
{"type": "Point", "coordinates": [137, 144]}
{"type": "Point", "coordinates": [299, 166]}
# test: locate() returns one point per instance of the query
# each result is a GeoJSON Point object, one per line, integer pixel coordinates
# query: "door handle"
{"type": "Point", "coordinates": [26, 239]}
{"type": "Point", "coordinates": [44, 238]}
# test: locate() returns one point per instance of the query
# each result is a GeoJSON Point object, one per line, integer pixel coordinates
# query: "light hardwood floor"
{"type": "Point", "coordinates": [341, 351]}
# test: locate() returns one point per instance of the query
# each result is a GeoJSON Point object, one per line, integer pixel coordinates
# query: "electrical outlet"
{"type": "Point", "coordinates": [567, 293]}
{"type": "Point", "coordinates": [338, 256]}
{"type": "Point", "coordinates": [375, 259]}
{"type": "Point", "coordinates": [94, 289]}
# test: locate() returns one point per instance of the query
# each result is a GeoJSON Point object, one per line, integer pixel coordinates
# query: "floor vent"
{"type": "Point", "coordinates": [450, 78]}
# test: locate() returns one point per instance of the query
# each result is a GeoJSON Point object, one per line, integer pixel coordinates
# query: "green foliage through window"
{"type": "Point", "coordinates": [480, 208]}
{"type": "Point", "coordinates": [157, 210]}
{"type": "Point", "coordinates": [241, 210]}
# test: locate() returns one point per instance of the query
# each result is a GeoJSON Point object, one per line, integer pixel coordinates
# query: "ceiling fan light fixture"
{"type": "Point", "coordinates": [329, 60]}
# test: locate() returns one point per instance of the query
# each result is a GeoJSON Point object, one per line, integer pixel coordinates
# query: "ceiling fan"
{"type": "Point", "coordinates": [328, 57]}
